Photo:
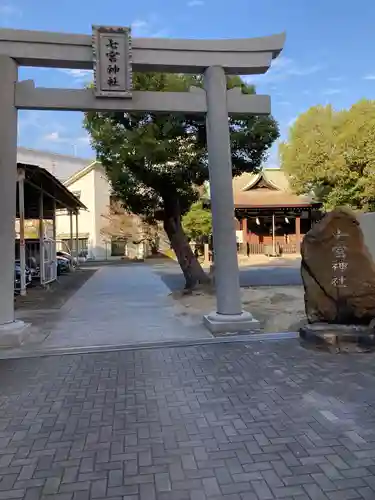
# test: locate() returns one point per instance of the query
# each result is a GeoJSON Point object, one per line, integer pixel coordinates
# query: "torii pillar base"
{"type": "Point", "coordinates": [14, 334]}
{"type": "Point", "coordinates": [229, 324]}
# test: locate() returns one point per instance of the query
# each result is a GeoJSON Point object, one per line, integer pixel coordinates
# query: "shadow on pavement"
{"type": "Point", "coordinates": [250, 276]}
{"type": "Point", "coordinates": [56, 294]}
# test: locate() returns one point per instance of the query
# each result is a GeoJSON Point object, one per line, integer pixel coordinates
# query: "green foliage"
{"type": "Point", "coordinates": [332, 154]}
{"type": "Point", "coordinates": [197, 222]}
{"type": "Point", "coordinates": [156, 161]}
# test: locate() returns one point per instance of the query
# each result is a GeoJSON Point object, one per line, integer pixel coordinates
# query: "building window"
{"type": "Point", "coordinates": [118, 247]}
{"type": "Point", "coordinates": [83, 245]}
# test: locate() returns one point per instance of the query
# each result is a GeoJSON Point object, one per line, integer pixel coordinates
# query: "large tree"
{"type": "Point", "coordinates": [155, 163]}
{"type": "Point", "coordinates": [332, 155]}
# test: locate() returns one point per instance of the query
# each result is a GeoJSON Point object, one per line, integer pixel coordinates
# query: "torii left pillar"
{"type": "Point", "coordinates": [11, 332]}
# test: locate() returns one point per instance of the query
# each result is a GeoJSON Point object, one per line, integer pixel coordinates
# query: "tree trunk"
{"type": "Point", "coordinates": [193, 272]}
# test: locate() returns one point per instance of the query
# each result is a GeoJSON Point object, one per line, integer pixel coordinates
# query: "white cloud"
{"type": "Point", "coordinates": [78, 74]}
{"type": "Point", "coordinates": [145, 28]}
{"type": "Point", "coordinates": [283, 68]}
{"type": "Point", "coordinates": [369, 77]}
{"type": "Point", "coordinates": [84, 139]}
{"type": "Point", "coordinates": [336, 79]}
{"type": "Point", "coordinates": [281, 62]}
{"type": "Point", "coordinates": [57, 137]}
{"type": "Point", "coordinates": [30, 119]}
{"type": "Point", "coordinates": [332, 91]}
{"type": "Point", "coordinates": [140, 27]}
{"type": "Point", "coordinates": [42, 130]}
{"type": "Point", "coordinates": [36, 129]}
{"type": "Point", "coordinates": [53, 137]}
{"type": "Point", "coordinates": [284, 103]}
{"type": "Point", "coordinates": [159, 34]}
{"type": "Point", "coordinates": [310, 70]}
{"type": "Point", "coordinates": [8, 10]}
{"type": "Point", "coordinates": [65, 144]}
{"type": "Point", "coordinates": [195, 3]}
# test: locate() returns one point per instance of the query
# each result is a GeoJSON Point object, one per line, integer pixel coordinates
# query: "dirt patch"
{"type": "Point", "coordinates": [279, 309]}
{"type": "Point", "coordinates": [56, 294]}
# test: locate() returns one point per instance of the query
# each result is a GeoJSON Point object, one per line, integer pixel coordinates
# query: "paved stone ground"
{"type": "Point", "coordinates": [118, 305]}
{"type": "Point", "coordinates": [123, 304]}
{"type": "Point", "coordinates": [265, 421]}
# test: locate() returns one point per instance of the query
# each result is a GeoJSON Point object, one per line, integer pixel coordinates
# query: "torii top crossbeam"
{"type": "Point", "coordinates": [63, 50]}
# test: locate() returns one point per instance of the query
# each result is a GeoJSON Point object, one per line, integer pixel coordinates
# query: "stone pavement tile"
{"type": "Point", "coordinates": [366, 493]}
{"type": "Point", "coordinates": [232, 422]}
{"type": "Point", "coordinates": [314, 492]}
{"type": "Point", "coordinates": [262, 490]}
{"type": "Point", "coordinates": [344, 495]}
{"type": "Point", "coordinates": [248, 496]}
{"type": "Point", "coordinates": [105, 312]}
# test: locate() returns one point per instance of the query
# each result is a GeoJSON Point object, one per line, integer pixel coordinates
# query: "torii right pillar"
{"type": "Point", "coordinates": [229, 316]}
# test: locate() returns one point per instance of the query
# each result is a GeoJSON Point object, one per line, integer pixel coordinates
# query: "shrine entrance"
{"type": "Point", "coordinates": [113, 55]}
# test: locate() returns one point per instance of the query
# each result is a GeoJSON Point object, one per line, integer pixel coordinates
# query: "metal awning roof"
{"type": "Point", "coordinates": [55, 194]}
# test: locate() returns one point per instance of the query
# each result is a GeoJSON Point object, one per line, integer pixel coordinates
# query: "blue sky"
{"type": "Point", "coordinates": [328, 56]}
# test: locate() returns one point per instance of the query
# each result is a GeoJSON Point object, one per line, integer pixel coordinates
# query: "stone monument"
{"type": "Point", "coordinates": [338, 275]}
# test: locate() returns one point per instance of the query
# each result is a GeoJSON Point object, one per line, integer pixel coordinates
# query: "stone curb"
{"type": "Point", "coordinates": [63, 351]}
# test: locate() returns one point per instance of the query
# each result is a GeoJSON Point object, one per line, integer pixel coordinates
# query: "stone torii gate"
{"type": "Point", "coordinates": [114, 55]}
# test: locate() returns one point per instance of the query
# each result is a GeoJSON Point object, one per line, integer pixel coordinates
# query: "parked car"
{"type": "Point", "coordinates": [63, 265]}
{"type": "Point", "coordinates": [17, 276]}
{"type": "Point", "coordinates": [66, 255]}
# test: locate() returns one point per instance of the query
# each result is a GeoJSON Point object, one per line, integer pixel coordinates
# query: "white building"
{"type": "Point", "coordinates": [87, 180]}
{"type": "Point", "coordinates": [61, 166]}
{"type": "Point", "coordinates": [90, 185]}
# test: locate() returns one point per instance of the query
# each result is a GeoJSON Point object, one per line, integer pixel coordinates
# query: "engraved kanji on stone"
{"type": "Point", "coordinates": [339, 251]}
{"type": "Point", "coordinates": [112, 81]}
{"type": "Point", "coordinates": [112, 53]}
{"type": "Point", "coordinates": [339, 266]}
{"type": "Point", "coordinates": [339, 281]}
{"type": "Point", "coordinates": [112, 56]}
{"type": "Point", "coordinates": [112, 44]}
{"type": "Point", "coordinates": [112, 69]}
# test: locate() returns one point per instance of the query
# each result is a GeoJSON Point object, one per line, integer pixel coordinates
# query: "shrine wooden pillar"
{"type": "Point", "coordinates": [244, 235]}
{"type": "Point", "coordinates": [298, 234]}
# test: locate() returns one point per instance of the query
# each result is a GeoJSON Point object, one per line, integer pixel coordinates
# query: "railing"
{"type": "Point", "coordinates": [289, 248]}
{"type": "Point", "coordinates": [48, 261]}
{"type": "Point", "coordinates": [259, 248]}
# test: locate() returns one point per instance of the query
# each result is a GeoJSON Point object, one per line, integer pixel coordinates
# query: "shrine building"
{"type": "Point", "coordinates": [270, 218]}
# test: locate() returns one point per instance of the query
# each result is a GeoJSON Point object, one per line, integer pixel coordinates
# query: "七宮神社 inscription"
{"type": "Point", "coordinates": [339, 264]}
{"type": "Point", "coordinates": [112, 61]}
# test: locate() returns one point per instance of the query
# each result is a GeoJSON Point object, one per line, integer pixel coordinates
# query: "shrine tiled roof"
{"type": "Point", "coordinates": [270, 188]}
